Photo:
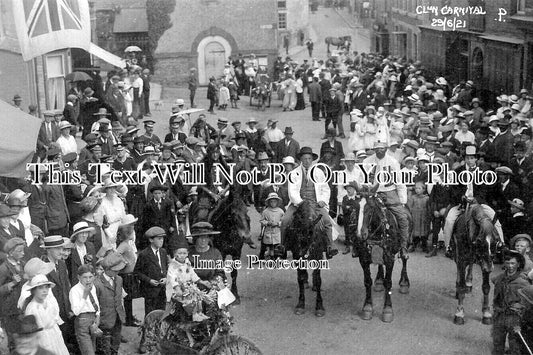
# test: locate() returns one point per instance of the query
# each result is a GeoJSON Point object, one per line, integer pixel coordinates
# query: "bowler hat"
{"type": "Point", "coordinates": [181, 243]}
{"type": "Point", "coordinates": [288, 130]}
{"type": "Point", "coordinates": [158, 187]}
{"type": "Point", "coordinates": [26, 325]}
{"type": "Point", "coordinates": [306, 150]}
{"type": "Point", "coordinates": [262, 156]}
{"type": "Point", "coordinates": [102, 112]}
{"type": "Point", "coordinates": [17, 97]}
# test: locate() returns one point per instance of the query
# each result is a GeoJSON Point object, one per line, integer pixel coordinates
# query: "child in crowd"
{"type": "Point", "coordinates": [233, 93]}
{"type": "Point", "coordinates": [181, 285]}
{"type": "Point", "coordinates": [350, 204]}
{"type": "Point", "coordinates": [271, 222]}
{"type": "Point", "coordinates": [409, 167]}
{"type": "Point", "coordinates": [224, 96]}
{"type": "Point", "coordinates": [419, 206]}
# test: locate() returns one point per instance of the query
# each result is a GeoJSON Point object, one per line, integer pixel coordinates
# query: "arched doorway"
{"type": "Point", "coordinates": [213, 52]}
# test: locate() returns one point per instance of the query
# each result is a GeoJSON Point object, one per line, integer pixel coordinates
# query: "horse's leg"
{"type": "Point", "coordinates": [460, 287]}
{"type": "Point", "coordinates": [234, 289]}
{"type": "Point", "coordinates": [487, 316]}
{"type": "Point", "coordinates": [388, 315]}
{"type": "Point", "coordinates": [404, 278]}
{"type": "Point", "coordinates": [302, 277]}
{"type": "Point", "coordinates": [468, 280]}
{"type": "Point", "coordinates": [378, 283]}
{"type": "Point", "coordinates": [317, 283]}
{"type": "Point", "coordinates": [366, 313]}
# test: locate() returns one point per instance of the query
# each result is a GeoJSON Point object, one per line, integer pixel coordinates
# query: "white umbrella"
{"type": "Point", "coordinates": [132, 49]}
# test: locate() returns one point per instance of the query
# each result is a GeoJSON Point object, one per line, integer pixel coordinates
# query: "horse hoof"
{"type": "Point", "coordinates": [487, 320]}
{"type": "Point", "coordinates": [379, 288]}
{"type": "Point", "coordinates": [306, 285]}
{"type": "Point", "coordinates": [320, 313]}
{"type": "Point", "coordinates": [387, 316]}
{"type": "Point", "coordinates": [313, 288]}
{"type": "Point", "coordinates": [458, 320]}
{"type": "Point", "coordinates": [299, 311]}
{"type": "Point", "coordinates": [366, 313]}
{"type": "Point", "coordinates": [404, 289]}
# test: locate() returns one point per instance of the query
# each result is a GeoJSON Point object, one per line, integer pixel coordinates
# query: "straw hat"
{"type": "Point", "coordinates": [39, 280]}
{"type": "Point", "coordinates": [53, 241]}
{"type": "Point", "coordinates": [202, 228]}
{"type": "Point", "coordinates": [81, 227]}
{"type": "Point", "coordinates": [36, 266]}
{"type": "Point", "coordinates": [271, 196]}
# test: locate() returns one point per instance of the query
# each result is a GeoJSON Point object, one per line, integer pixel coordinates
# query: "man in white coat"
{"type": "Point", "coordinates": [302, 187]}
{"type": "Point", "coordinates": [393, 194]}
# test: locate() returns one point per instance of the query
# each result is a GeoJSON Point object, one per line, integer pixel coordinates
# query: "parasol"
{"type": "Point", "coordinates": [78, 76]}
{"type": "Point", "coordinates": [132, 49]}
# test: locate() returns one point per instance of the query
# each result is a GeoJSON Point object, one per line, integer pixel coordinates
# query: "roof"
{"type": "Point", "coordinates": [511, 40]}
{"type": "Point", "coordinates": [131, 20]}
{"type": "Point", "coordinates": [123, 4]}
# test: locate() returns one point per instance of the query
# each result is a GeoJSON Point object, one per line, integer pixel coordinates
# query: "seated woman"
{"type": "Point", "coordinates": [203, 255]}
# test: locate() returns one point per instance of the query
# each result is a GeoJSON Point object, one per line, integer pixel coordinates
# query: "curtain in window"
{"type": "Point", "coordinates": [56, 93]}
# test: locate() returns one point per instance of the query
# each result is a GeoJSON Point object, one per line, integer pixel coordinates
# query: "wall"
{"type": "Point", "coordinates": [13, 71]}
{"type": "Point", "coordinates": [238, 21]}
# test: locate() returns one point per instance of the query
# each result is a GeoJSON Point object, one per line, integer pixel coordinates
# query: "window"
{"type": "Point", "coordinates": [282, 20]}
{"type": "Point", "coordinates": [521, 6]}
{"type": "Point", "coordinates": [282, 5]}
{"type": "Point", "coordinates": [55, 81]}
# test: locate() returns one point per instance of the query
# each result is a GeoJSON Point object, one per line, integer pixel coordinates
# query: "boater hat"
{"type": "Point", "coordinates": [81, 227]}
{"type": "Point", "coordinates": [53, 241]}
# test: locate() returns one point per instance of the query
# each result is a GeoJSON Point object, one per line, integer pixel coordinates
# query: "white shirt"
{"type": "Point", "coordinates": [79, 304]}
{"type": "Point", "coordinates": [82, 251]}
{"type": "Point", "coordinates": [274, 135]}
{"type": "Point", "coordinates": [67, 145]}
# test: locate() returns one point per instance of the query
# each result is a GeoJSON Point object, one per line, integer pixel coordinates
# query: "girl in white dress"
{"type": "Point", "coordinates": [46, 313]}
{"type": "Point", "coordinates": [110, 214]}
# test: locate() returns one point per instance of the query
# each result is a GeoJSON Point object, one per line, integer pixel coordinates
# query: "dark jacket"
{"type": "Point", "coordinates": [315, 92]}
{"type": "Point", "coordinates": [181, 137]}
{"type": "Point", "coordinates": [503, 146]}
{"type": "Point", "coordinates": [211, 91]}
{"type": "Point", "coordinates": [70, 114]}
{"type": "Point", "coordinates": [333, 105]}
{"type": "Point", "coordinates": [291, 150]}
{"type": "Point", "coordinates": [339, 151]}
{"type": "Point", "coordinates": [74, 261]}
{"type": "Point", "coordinates": [61, 290]}
{"type": "Point", "coordinates": [56, 207]}
{"type": "Point", "coordinates": [9, 297]}
{"type": "Point", "coordinates": [147, 268]}
{"type": "Point", "coordinates": [153, 216]}
{"type": "Point", "coordinates": [42, 138]}
{"type": "Point", "coordinates": [110, 300]}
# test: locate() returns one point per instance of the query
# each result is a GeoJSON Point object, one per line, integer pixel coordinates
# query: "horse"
{"type": "Point", "coordinates": [305, 240]}
{"type": "Point", "coordinates": [344, 41]}
{"type": "Point", "coordinates": [469, 250]}
{"type": "Point", "coordinates": [379, 242]}
{"type": "Point", "coordinates": [230, 217]}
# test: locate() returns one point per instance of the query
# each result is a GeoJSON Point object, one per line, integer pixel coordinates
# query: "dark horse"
{"type": "Point", "coordinates": [305, 240]}
{"type": "Point", "coordinates": [469, 249]}
{"type": "Point", "coordinates": [340, 42]}
{"type": "Point", "coordinates": [379, 242]}
{"type": "Point", "coordinates": [230, 217]}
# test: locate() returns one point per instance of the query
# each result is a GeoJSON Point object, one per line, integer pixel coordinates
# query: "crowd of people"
{"type": "Point", "coordinates": [75, 256]}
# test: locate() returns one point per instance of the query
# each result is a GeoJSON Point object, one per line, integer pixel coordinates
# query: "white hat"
{"type": "Point", "coordinates": [288, 160]}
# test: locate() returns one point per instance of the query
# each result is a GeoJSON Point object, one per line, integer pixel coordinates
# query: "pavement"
{"type": "Point", "coordinates": [327, 22]}
{"type": "Point", "coordinates": [423, 322]}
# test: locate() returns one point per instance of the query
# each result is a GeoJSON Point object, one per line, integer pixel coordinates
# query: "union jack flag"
{"type": "Point", "coordinates": [44, 26]}
{"type": "Point", "coordinates": [44, 16]}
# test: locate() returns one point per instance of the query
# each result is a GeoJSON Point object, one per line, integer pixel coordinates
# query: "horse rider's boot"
{"type": "Point", "coordinates": [330, 253]}
{"type": "Point", "coordinates": [433, 252]}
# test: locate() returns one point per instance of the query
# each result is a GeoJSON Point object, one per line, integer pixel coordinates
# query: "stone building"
{"type": "Point", "coordinates": [205, 33]}
{"type": "Point", "coordinates": [496, 52]}
{"type": "Point", "coordinates": [293, 21]}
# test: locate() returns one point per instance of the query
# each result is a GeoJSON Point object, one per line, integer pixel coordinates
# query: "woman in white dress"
{"type": "Point", "coordinates": [110, 214]}
{"type": "Point", "coordinates": [46, 313]}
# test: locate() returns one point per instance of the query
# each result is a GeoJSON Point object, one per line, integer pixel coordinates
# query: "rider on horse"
{"type": "Point", "coordinates": [394, 195]}
{"type": "Point", "coordinates": [303, 188]}
{"type": "Point", "coordinates": [464, 196]}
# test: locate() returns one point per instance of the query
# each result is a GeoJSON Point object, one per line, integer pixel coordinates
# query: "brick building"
{"type": "Point", "coordinates": [205, 33]}
{"type": "Point", "coordinates": [496, 55]}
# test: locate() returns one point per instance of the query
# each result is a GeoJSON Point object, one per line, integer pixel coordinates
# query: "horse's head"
{"type": "Point", "coordinates": [306, 218]}
{"type": "Point", "coordinates": [372, 210]}
{"type": "Point", "coordinates": [239, 217]}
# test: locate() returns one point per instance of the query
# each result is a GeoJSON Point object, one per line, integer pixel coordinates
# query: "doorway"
{"type": "Point", "coordinates": [213, 52]}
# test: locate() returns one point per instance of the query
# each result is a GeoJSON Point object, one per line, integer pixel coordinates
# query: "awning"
{"type": "Point", "coordinates": [16, 150]}
{"type": "Point", "coordinates": [107, 56]}
{"type": "Point", "coordinates": [131, 20]}
{"type": "Point", "coordinates": [511, 40]}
